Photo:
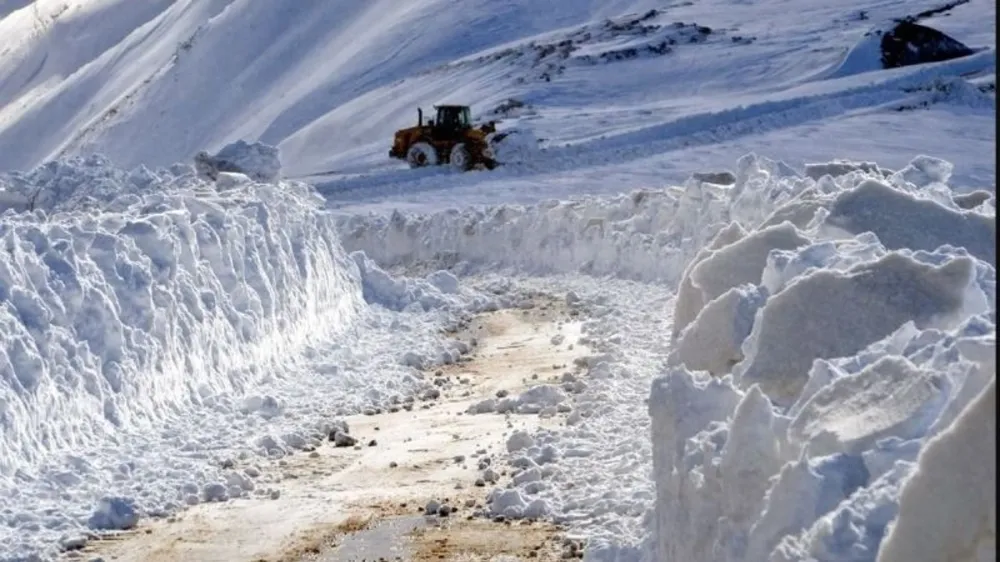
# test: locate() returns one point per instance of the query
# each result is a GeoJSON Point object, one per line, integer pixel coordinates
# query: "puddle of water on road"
{"type": "Point", "coordinates": [386, 540]}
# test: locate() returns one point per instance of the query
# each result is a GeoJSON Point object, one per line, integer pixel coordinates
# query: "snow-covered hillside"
{"type": "Point", "coordinates": [328, 82]}
{"type": "Point", "coordinates": [787, 350]}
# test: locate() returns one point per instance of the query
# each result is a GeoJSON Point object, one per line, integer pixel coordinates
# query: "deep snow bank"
{"type": "Point", "coordinates": [966, 489]}
{"type": "Point", "coordinates": [738, 479]}
{"type": "Point", "coordinates": [167, 341]}
{"type": "Point", "coordinates": [129, 297]}
{"type": "Point", "coordinates": [646, 235]}
{"type": "Point", "coordinates": [844, 332]}
{"type": "Point", "coordinates": [836, 352]}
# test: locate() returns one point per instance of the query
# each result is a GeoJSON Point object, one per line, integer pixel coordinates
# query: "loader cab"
{"type": "Point", "coordinates": [452, 117]}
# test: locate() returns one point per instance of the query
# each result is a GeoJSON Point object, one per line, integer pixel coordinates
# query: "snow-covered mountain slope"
{"type": "Point", "coordinates": [328, 82]}
{"type": "Point", "coordinates": [192, 73]}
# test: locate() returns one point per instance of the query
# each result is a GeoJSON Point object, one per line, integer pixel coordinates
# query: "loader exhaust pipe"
{"type": "Point", "coordinates": [420, 117]}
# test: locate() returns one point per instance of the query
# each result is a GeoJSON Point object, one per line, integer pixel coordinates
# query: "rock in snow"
{"type": "Point", "coordinates": [910, 43]}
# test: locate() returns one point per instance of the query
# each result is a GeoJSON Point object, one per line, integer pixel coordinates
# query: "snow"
{"type": "Point", "coordinates": [785, 251]}
{"type": "Point", "coordinates": [966, 489]}
{"type": "Point", "coordinates": [859, 211]}
{"type": "Point", "coordinates": [257, 161]}
{"type": "Point", "coordinates": [735, 264]}
{"type": "Point", "coordinates": [851, 369]}
{"type": "Point", "coordinates": [156, 325]}
{"type": "Point", "coordinates": [163, 279]}
{"type": "Point", "coordinates": [860, 306]}
{"type": "Point", "coordinates": [889, 398]}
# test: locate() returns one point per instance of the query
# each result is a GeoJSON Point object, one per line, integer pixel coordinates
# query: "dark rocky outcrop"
{"type": "Point", "coordinates": [910, 43]}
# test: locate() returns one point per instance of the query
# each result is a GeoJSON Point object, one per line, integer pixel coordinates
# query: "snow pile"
{"type": "Point", "coordinates": [827, 478]}
{"type": "Point", "coordinates": [258, 161]}
{"type": "Point", "coordinates": [890, 214]}
{"type": "Point", "coordinates": [835, 314]}
{"type": "Point", "coordinates": [647, 235]}
{"type": "Point", "coordinates": [437, 291]}
{"type": "Point", "coordinates": [815, 358]}
{"type": "Point", "coordinates": [130, 300]}
{"type": "Point", "coordinates": [740, 262]}
{"type": "Point", "coordinates": [518, 145]}
{"type": "Point", "coordinates": [965, 489]}
{"type": "Point", "coordinates": [167, 298]}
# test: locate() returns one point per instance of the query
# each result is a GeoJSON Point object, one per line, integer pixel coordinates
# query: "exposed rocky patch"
{"type": "Point", "coordinates": [633, 36]}
{"type": "Point", "coordinates": [509, 109]}
{"type": "Point", "coordinates": [910, 43]}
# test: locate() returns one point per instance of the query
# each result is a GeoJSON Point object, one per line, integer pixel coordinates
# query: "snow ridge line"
{"type": "Point", "coordinates": [168, 298]}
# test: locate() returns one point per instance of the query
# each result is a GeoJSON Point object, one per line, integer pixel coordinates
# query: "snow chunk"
{"type": "Point", "coordinates": [680, 404]}
{"type": "Point", "coordinates": [509, 503]}
{"type": "Point", "coordinates": [833, 314]}
{"type": "Point", "coordinates": [713, 341]}
{"type": "Point", "coordinates": [114, 514]}
{"type": "Point", "coordinates": [973, 199]}
{"type": "Point", "coordinates": [842, 167]}
{"type": "Point", "coordinates": [735, 264]}
{"type": "Point", "coordinates": [801, 211]}
{"type": "Point", "coordinates": [901, 220]}
{"type": "Point", "coordinates": [258, 161]}
{"type": "Point", "coordinates": [854, 528]}
{"type": "Point", "coordinates": [749, 458]}
{"type": "Point", "coordinates": [519, 440]}
{"type": "Point", "coordinates": [955, 481]}
{"type": "Point", "coordinates": [890, 398]}
{"type": "Point", "coordinates": [534, 400]}
{"type": "Point", "coordinates": [401, 293]}
{"type": "Point", "coordinates": [690, 298]}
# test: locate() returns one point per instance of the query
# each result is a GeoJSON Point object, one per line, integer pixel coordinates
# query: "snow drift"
{"type": "Point", "coordinates": [646, 235]}
{"type": "Point", "coordinates": [968, 489]}
{"type": "Point", "coordinates": [821, 363]}
{"type": "Point", "coordinates": [129, 299]}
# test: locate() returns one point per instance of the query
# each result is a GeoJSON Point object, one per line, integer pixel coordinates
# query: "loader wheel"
{"type": "Point", "coordinates": [459, 158]}
{"type": "Point", "coordinates": [421, 154]}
